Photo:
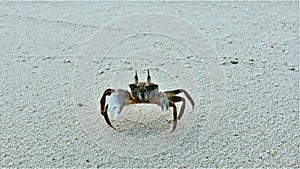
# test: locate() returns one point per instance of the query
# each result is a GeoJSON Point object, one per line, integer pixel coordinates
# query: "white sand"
{"type": "Point", "coordinates": [260, 125]}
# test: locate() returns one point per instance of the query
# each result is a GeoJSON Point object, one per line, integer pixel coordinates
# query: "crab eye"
{"type": "Point", "coordinates": [152, 87]}
{"type": "Point", "coordinates": [133, 86]}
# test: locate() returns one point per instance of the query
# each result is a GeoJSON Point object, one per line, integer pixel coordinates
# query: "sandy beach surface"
{"type": "Point", "coordinates": [246, 99]}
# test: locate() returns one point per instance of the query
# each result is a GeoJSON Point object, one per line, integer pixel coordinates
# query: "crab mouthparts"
{"type": "Point", "coordinates": [143, 97]}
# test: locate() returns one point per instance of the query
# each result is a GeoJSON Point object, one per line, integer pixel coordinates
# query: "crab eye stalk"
{"type": "Point", "coordinates": [148, 78]}
{"type": "Point", "coordinates": [136, 79]}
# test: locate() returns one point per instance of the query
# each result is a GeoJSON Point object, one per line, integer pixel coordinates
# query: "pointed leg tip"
{"type": "Point", "coordinates": [113, 127]}
{"type": "Point", "coordinates": [173, 129]}
{"type": "Point", "coordinates": [174, 125]}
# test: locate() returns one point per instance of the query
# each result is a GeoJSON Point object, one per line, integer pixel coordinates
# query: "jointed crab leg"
{"type": "Point", "coordinates": [176, 99]}
{"type": "Point", "coordinates": [104, 108]}
{"type": "Point", "coordinates": [104, 113]}
{"type": "Point", "coordinates": [175, 92]}
{"type": "Point", "coordinates": [174, 115]}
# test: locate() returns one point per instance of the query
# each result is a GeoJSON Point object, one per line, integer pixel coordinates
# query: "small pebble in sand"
{"type": "Point", "coordinates": [271, 152]}
{"type": "Point", "coordinates": [292, 68]}
{"type": "Point", "coordinates": [234, 62]}
{"type": "Point", "coordinates": [285, 51]}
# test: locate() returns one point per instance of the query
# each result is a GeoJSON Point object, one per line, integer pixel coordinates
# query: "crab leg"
{"type": "Point", "coordinates": [176, 99]}
{"type": "Point", "coordinates": [104, 113]}
{"type": "Point", "coordinates": [104, 108]}
{"type": "Point", "coordinates": [174, 115]}
{"type": "Point", "coordinates": [175, 92]}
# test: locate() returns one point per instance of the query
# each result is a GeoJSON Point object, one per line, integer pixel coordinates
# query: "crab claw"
{"type": "Point", "coordinates": [117, 101]}
{"type": "Point", "coordinates": [164, 103]}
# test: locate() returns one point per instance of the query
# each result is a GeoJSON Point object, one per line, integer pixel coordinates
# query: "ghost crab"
{"type": "Point", "coordinates": [143, 92]}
